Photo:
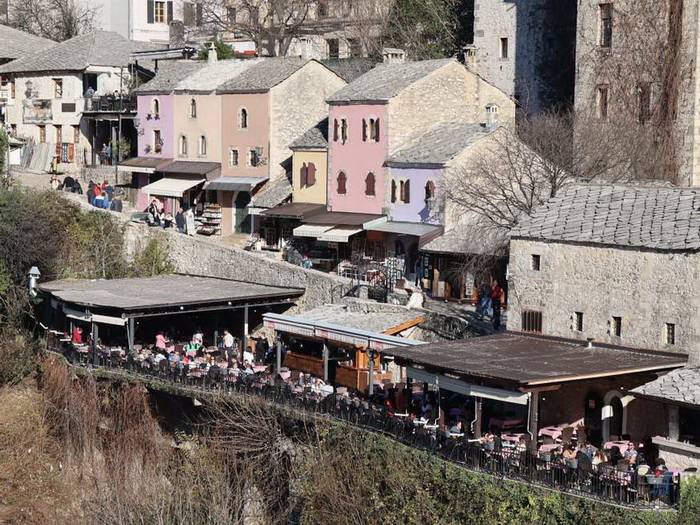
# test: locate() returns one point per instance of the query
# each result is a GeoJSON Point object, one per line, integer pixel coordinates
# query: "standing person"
{"type": "Point", "coordinates": [228, 344]}
{"type": "Point", "coordinates": [91, 193]}
{"type": "Point", "coordinates": [259, 350]}
{"type": "Point", "coordinates": [485, 296]}
{"type": "Point", "coordinates": [108, 153]}
{"type": "Point", "coordinates": [306, 262]}
{"type": "Point", "coordinates": [496, 293]}
{"type": "Point", "coordinates": [103, 154]}
{"type": "Point", "coordinates": [180, 221]}
{"type": "Point", "coordinates": [77, 336]}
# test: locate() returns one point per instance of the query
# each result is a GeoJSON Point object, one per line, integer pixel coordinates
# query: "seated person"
{"type": "Point", "coordinates": [631, 453]}
{"type": "Point", "coordinates": [248, 356]}
{"type": "Point", "coordinates": [161, 340]}
{"type": "Point", "coordinates": [615, 455]}
{"type": "Point", "coordinates": [456, 429]}
{"type": "Point", "coordinates": [569, 453]}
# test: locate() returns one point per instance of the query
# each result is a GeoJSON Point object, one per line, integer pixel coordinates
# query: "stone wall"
{"type": "Point", "coordinates": [199, 256]}
{"type": "Point", "coordinates": [645, 289]}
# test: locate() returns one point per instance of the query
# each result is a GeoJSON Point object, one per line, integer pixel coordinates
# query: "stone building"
{"type": "Point", "coordinates": [526, 49]}
{"type": "Point", "coordinates": [613, 263]}
{"type": "Point", "coordinates": [636, 68]}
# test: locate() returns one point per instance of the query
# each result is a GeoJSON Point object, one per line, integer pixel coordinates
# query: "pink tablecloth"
{"type": "Point", "coordinates": [548, 448]}
{"type": "Point", "coordinates": [553, 432]}
{"type": "Point", "coordinates": [622, 445]}
{"type": "Point", "coordinates": [514, 438]}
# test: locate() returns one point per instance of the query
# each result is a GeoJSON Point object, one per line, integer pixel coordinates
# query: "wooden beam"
{"type": "Point", "coordinates": [405, 326]}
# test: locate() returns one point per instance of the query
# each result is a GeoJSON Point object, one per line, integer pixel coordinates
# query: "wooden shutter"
{"type": "Point", "coordinates": [169, 15]}
{"type": "Point", "coordinates": [364, 130]}
{"type": "Point", "coordinates": [311, 174]}
{"type": "Point", "coordinates": [304, 173]}
{"type": "Point", "coordinates": [393, 191]}
{"type": "Point", "coordinates": [71, 152]}
{"type": "Point", "coordinates": [407, 192]}
{"type": "Point", "coordinates": [150, 5]}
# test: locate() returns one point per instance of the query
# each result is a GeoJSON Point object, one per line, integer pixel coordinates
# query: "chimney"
{"type": "Point", "coordinates": [590, 342]}
{"type": "Point", "coordinates": [392, 55]}
{"type": "Point", "coordinates": [470, 57]}
{"type": "Point", "coordinates": [212, 56]}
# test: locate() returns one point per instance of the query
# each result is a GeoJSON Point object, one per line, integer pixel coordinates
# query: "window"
{"type": "Point", "coordinates": [406, 191]}
{"type": "Point", "coordinates": [535, 262]}
{"type": "Point", "coordinates": [231, 15]}
{"type": "Point", "coordinates": [333, 48]}
{"type": "Point", "coordinates": [243, 118]}
{"type": "Point", "coordinates": [42, 133]}
{"type": "Point", "coordinates": [254, 15]}
{"type": "Point", "coordinates": [503, 49]}
{"type": "Point", "coordinates": [670, 334]}
{"type": "Point", "coordinates": [303, 174]}
{"type": "Point", "coordinates": [58, 88]}
{"type": "Point", "coordinates": [491, 114]}
{"type": "Point", "coordinates": [159, 12]}
{"type": "Point", "coordinates": [254, 157]}
{"type": "Point", "coordinates": [364, 130]}
{"type": "Point", "coordinates": [322, 9]}
{"type": "Point", "coordinates": [344, 130]}
{"type": "Point", "coordinates": [336, 128]}
{"type": "Point", "coordinates": [374, 129]}
{"type": "Point", "coordinates": [616, 327]}
{"type": "Point", "coordinates": [531, 321]}
{"type": "Point", "coordinates": [644, 102]}
{"type": "Point", "coordinates": [311, 174]}
{"type": "Point", "coordinates": [183, 146]}
{"type": "Point", "coordinates": [59, 134]}
{"type": "Point", "coordinates": [429, 190]}
{"type": "Point", "coordinates": [602, 102]}
{"type": "Point", "coordinates": [157, 141]}
{"type": "Point", "coordinates": [393, 191]}
{"type": "Point", "coordinates": [355, 47]}
{"type": "Point", "coordinates": [193, 108]}
{"type": "Point", "coordinates": [155, 107]}
{"type": "Point", "coordinates": [342, 182]}
{"type": "Point", "coordinates": [578, 321]}
{"type": "Point", "coordinates": [606, 24]}
{"type": "Point", "coordinates": [202, 145]}
{"type": "Point", "coordinates": [370, 183]}
{"type": "Point", "coordinates": [76, 134]}
{"type": "Point", "coordinates": [233, 157]}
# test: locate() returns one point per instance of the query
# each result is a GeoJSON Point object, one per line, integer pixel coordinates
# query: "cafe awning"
{"type": "Point", "coordinates": [311, 230]}
{"type": "Point", "coordinates": [185, 167]}
{"type": "Point", "coordinates": [334, 218]}
{"type": "Point", "coordinates": [143, 164]}
{"type": "Point", "coordinates": [339, 234]}
{"type": "Point", "coordinates": [424, 232]}
{"type": "Point", "coordinates": [172, 187]}
{"type": "Point", "coordinates": [235, 183]}
{"type": "Point", "coordinates": [295, 210]}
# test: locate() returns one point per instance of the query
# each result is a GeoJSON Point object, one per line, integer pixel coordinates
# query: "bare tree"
{"type": "Point", "coordinates": [54, 19]}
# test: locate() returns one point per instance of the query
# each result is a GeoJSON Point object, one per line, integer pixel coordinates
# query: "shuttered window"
{"type": "Point", "coordinates": [150, 6]}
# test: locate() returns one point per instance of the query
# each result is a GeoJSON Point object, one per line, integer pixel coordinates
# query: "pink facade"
{"type": "Point", "coordinates": [198, 126]}
{"type": "Point", "coordinates": [155, 115]}
{"type": "Point", "coordinates": [245, 132]}
{"type": "Point", "coordinates": [357, 157]}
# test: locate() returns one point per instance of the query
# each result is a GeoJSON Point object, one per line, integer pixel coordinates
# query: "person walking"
{"type": "Point", "coordinates": [496, 293]}
{"type": "Point", "coordinates": [180, 221]}
{"type": "Point", "coordinates": [485, 298]}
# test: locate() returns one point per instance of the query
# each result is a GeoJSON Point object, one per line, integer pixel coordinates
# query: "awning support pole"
{"type": "Point", "coordinates": [131, 324]}
{"type": "Point", "coordinates": [279, 354]}
{"type": "Point", "coordinates": [95, 335]}
{"type": "Point", "coordinates": [534, 416]}
{"type": "Point", "coordinates": [245, 327]}
{"type": "Point", "coordinates": [370, 353]}
{"type": "Point", "coordinates": [477, 418]}
{"type": "Point", "coordinates": [325, 362]}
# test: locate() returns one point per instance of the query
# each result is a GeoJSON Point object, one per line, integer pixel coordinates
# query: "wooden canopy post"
{"type": "Point", "coordinates": [325, 362]}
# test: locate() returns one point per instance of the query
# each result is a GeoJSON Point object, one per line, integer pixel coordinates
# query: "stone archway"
{"type": "Point", "coordinates": [614, 414]}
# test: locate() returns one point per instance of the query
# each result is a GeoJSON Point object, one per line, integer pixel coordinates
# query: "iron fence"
{"type": "Point", "coordinates": [603, 482]}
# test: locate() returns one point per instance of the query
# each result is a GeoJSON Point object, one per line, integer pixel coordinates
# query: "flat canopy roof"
{"type": "Point", "coordinates": [235, 183]}
{"type": "Point", "coordinates": [190, 167]}
{"type": "Point", "coordinates": [143, 164]}
{"type": "Point", "coordinates": [165, 291]}
{"type": "Point", "coordinates": [295, 210]}
{"type": "Point", "coordinates": [341, 218]}
{"type": "Point", "coordinates": [531, 360]}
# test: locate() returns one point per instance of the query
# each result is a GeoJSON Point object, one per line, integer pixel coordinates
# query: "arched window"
{"type": "Point", "coordinates": [374, 130]}
{"type": "Point", "coordinates": [336, 130]}
{"type": "Point", "coordinates": [183, 145]}
{"type": "Point", "coordinates": [193, 108]}
{"type": "Point", "coordinates": [393, 190]}
{"type": "Point", "coordinates": [202, 145]}
{"type": "Point", "coordinates": [342, 183]}
{"type": "Point", "coordinates": [155, 107]}
{"type": "Point", "coordinates": [311, 174]}
{"type": "Point", "coordinates": [243, 118]}
{"type": "Point", "coordinates": [406, 191]}
{"type": "Point", "coordinates": [429, 190]}
{"type": "Point", "coordinates": [370, 185]}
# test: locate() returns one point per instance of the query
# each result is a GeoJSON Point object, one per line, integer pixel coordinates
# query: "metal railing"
{"type": "Point", "coordinates": [110, 104]}
{"type": "Point", "coordinates": [604, 482]}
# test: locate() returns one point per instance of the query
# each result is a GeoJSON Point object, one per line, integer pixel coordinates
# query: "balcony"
{"type": "Point", "coordinates": [110, 104]}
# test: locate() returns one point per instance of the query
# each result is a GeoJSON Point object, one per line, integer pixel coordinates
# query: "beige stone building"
{"type": "Point", "coordinates": [616, 264]}
{"type": "Point", "coordinates": [636, 68]}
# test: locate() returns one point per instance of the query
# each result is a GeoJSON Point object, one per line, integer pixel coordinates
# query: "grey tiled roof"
{"type": "Point", "coordinates": [619, 215]}
{"type": "Point", "coordinates": [211, 76]}
{"type": "Point", "coordinates": [170, 73]}
{"type": "Point", "coordinates": [265, 75]}
{"type": "Point", "coordinates": [469, 237]}
{"type": "Point", "coordinates": [274, 194]}
{"type": "Point", "coordinates": [349, 69]}
{"type": "Point", "coordinates": [440, 144]}
{"type": "Point", "coordinates": [386, 81]}
{"type": "Point", "coordinates": [680, 386]}
{"type": "Point", "coordinates": [101, 48]}
{"type": "Point", "coordinates": [17, 44]}
{"type": "Point", "coordinates": [315, 138]}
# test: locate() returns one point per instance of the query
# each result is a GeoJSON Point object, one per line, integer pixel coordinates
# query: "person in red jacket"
{"type": "Point", "coordinates": [496, 293]}
{"type": "Point", "coordinates": [77, 337]}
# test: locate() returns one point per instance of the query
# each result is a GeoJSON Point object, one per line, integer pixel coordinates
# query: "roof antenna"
{"type": "Point", "coordinates": [590, 342]}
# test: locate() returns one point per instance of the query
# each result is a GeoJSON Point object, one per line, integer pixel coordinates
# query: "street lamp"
{"type": "Point", "coordinates": [34, 275]}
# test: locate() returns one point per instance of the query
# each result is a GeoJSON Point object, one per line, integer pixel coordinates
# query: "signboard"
{"type": "Point", "coordinates": [37, 112]}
